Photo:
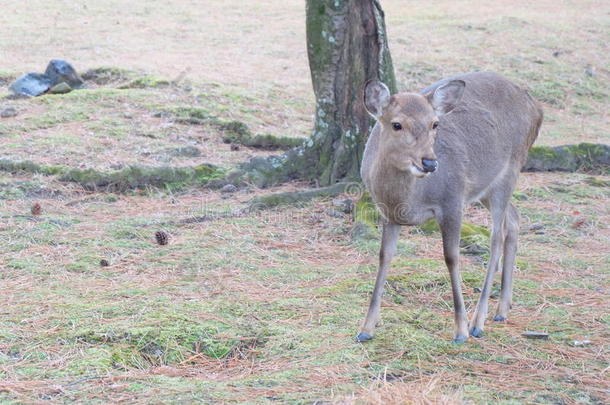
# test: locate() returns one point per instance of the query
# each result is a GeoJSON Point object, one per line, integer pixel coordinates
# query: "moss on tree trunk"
{"type": "Point", "coordinates": [346, 45]}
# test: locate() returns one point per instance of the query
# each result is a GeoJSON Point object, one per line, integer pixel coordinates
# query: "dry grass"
{"type": "Point", "coordinates": [290, 292]}
{"type": "Point", "coordinates": [259, 46]}
{"type": "Point", "coordinates": [263, 307]}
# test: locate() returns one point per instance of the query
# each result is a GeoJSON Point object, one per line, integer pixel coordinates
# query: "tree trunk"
{"type": "Point", "coordinates": [346, 45]}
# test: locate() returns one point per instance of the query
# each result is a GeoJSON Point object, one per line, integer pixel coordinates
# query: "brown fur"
{"type": "Point", "coordinates": [480, 146]}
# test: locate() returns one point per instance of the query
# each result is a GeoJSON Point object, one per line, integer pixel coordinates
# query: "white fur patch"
{"type": "Point", "coordinates": [417, 172]}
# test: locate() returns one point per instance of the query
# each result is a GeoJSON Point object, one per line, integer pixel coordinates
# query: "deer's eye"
{"type": "Point", "coordinates": [396, 126]}
{"type": "Point", "coordinates": [435, 125]}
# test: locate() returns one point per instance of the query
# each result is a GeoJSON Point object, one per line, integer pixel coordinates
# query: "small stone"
{"type": "Point", "coordinates": [334, 213]}
{"type": "Point", "coordinates": [60, 71]}
{"type": "Point", "coordinates": [8, 112]}
{"type": "Point", "coordinates": [36, 209]}
{"type": "Point", "coordinates": [345, 205]}
{"type": "Point", "coordinates": [495, 292]}
{"type": "Point", "coordinates": [229, 188]}
{"type": "Point", "coordinates": [104, 263]}
{"type": "Point", "coordinates": [535, 335]}
{"type": "Point", "coordinates": [162, 237]}
{"type": "Point", "coordinates": [60, 88]}
{"type": "Point", "coordinates": [234, 146]}
{"type": "Point", "coordinates": [577, 343]}
{"type": "Point", "coordinates": [520, 196]}
{"type": "Point", "coordinates": [536, 226]}
{"type": "Point", "coordinates": [31, 84]}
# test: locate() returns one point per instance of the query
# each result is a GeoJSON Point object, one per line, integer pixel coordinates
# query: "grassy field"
{"type": "Point", "coordinates": [262, 307]}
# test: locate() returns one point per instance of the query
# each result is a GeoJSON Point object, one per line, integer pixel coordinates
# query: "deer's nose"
{"type": "Point", "coordinates": [429, 165]}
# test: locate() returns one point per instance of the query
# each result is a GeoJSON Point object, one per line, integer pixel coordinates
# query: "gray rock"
{"type": "Point", "coordinates": [535, 335]}
{"type": "Point", "coordinates": [229, 188]}
{"type": "Point", "coordinates": [495, 291]}
{"type": "Point", "coordinates": [61, 88]}
{"type": "Point", "coordinates": [344, 205]}
{"type": "Point", "coordinates": [31, 84]}
{"type": "Point", "coordinates": [8, 112]}
{"type": "Point", "coordinates": [520, 196]}
{"type": "Point", "coordinates": [60, 71]}
{"type": "Point", "coordinates": [536, 226]}
{"type": "Point", "coordinates": [334, 213]}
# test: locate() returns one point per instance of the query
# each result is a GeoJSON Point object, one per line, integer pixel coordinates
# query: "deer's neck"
{"type": "Point", "coordinates": [396, 194]}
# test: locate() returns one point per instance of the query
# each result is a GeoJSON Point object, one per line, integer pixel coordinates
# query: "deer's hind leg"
{"type": "Point", "coordinates": [450, 225]}
{"type": "Point", "coordinates": [511, 226]}
{"type": "Point", "coordinates": [497, 204]}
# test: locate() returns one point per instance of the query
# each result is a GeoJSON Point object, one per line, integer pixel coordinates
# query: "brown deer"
{"type": "Point", "coordinates": [430, 155]}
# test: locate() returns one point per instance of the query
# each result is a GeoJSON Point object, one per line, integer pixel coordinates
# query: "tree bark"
{"type": "Point", "coordinates": [347, 46]}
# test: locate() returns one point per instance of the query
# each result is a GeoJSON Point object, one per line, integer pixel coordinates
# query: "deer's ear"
{"type": "Point", "coordinates": [376, 97]}
{"type": "Point", "coordinates": [446, 97]}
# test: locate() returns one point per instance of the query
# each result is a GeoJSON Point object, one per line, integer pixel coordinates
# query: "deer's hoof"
{"type": "Point", "coordinates": [459, 339]}
{"type": "Point", "coordinates": [363, 337]}
{"type": "Point", "coordinates": [476, 332]}
{"type": "Point", "coordinates": [499, 318]}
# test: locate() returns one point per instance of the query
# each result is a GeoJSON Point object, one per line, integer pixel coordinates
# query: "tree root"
{"type": "Point", "coordinates": [297, 197]}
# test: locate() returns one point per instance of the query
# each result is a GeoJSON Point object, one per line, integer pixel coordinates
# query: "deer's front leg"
{"type": "Point", "coordinates": [450, 228]}
{"type": "Point", "coordinates": [386, 253]}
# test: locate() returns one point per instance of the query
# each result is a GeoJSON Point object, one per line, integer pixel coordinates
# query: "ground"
{"type": "Point", "coordinates": [262, 306]}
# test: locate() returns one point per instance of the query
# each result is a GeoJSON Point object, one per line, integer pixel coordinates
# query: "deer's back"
{"type": "Point", "coordinates": [484, 141]}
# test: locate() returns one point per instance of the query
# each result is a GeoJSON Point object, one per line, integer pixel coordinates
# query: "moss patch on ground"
{"type": "Point", "coordinates": [245, 303]}
{"type": "Point", "coordinates": [585, 157]}
{"type": "Point", "coordinates": [129, 178]}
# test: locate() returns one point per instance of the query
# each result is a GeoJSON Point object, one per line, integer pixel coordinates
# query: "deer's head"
{"type": "Point", "coordinates": [409, 122]}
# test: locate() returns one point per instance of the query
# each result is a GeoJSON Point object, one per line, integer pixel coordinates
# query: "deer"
{"type": "Point", "coordinates": [463, 139]}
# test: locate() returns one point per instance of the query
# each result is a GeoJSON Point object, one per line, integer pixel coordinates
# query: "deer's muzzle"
{"type": "Point", "coordinates": [429, 165]}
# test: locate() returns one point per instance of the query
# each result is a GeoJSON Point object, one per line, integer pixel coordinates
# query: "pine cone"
{"type": "Point", "coordinates": [36, 209]}
{"type": "Point", "coordinates": [162, 237]}
{"type": "Point", "coordinates": [104, 263]}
